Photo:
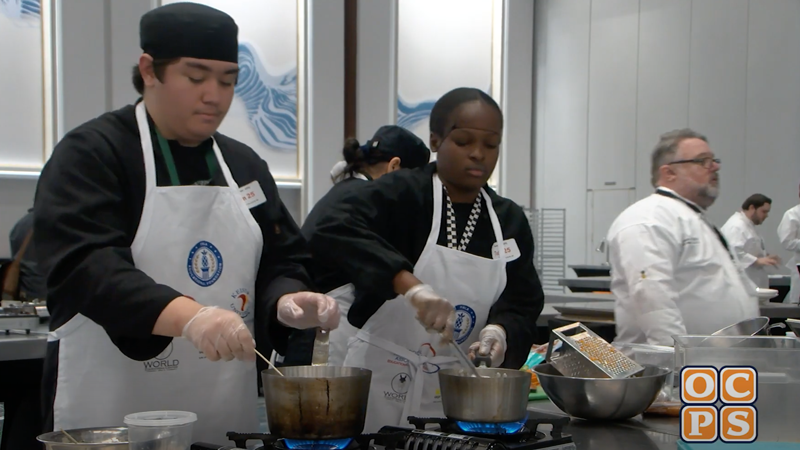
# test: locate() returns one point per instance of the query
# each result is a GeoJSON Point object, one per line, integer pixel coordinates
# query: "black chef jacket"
{"type": "Point", "coordinates": [380, 229]}
{"type": "Point", "coordinates": [301, 342]}
{"type": "Point", "coordinates": [88, 203]}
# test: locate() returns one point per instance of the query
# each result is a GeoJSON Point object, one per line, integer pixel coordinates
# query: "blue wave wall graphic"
{"type": "Point", "coordinates": [21, 10]}
{"type": "Point", "coordinates": [271, 101]}
{"type": "Point", "coordinates": [410, 114]}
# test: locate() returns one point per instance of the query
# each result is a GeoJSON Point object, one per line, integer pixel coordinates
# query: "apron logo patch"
{"type": "Point", "coordinates": [426, 350]}
{"type": "Point", "coordinates": [162, 362]}
{"type": "Point", "coordinates": [242, 302]}
{"type": "Point", "coordinates": [465, 323]}
{"type": "Point", "coordinates": [204, 264]}
{"type": "Point", "coordinates": [400, 386]}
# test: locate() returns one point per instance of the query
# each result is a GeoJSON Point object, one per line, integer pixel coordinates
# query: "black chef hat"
{"type": "Point", "coordinates": [392, 140]}
{"type": "Point", "coordinates": [189, 30]}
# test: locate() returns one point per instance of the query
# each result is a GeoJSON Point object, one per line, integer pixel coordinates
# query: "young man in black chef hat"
{"type": "Point", "coordinates": [153, 226]}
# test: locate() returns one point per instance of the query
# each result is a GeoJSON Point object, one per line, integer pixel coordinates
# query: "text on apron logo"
{"type": "Point", "coordinates": [241, 302]}
{"type": "Point", "coordinates": [204, 264]}
{"type": "Point", "coordinates": [162, 362]}
{"type": "Point", "coordinates": [465, 323]}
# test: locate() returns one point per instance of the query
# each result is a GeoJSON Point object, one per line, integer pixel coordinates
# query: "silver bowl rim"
{"type": "Point", "coordinates": [661, 373]}
{"type": "Point", "coordinates": [42, 437]}
{"type": "Point", "coordinates": [455, 372]}
{"type": "Point", "coordinates": [356, 372]}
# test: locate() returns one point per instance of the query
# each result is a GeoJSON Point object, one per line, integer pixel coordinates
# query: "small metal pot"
{"type": "Point", "coordinates": [111, 438]}
{"type": "Point", "coordinates": [316, 402]}
{"type": "Point", "coordinates": [499, 396]}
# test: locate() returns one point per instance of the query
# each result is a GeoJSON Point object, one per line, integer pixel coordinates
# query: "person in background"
{"type": "Point", "coordinates": [789, 234]}
{"type": "Point", "coordinates": [439, 258]}
{"type": "Point", "coordinates": [672, 272]}
{"type": "Point", "coordinates": [746, 243]}
{"type": "Point", "coordinates": [391, 148]}
{"type": "Point", "coordinates": [32, 284]}
{"type": "Point", "coordinates": [150, 226]}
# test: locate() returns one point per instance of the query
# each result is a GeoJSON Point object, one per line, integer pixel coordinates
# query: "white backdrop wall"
{"type": "Point", "coordinates": [391, 60]}
{"type": "Point", "coordinates": [99, 42]}
{"type": "Point", "coordinates": [611, 75]}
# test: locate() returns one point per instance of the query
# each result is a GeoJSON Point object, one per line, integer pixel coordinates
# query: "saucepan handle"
{"type": "Point", "coordinates": [776, 325]}
{"type": "Point", "coordinates": [483, 360]}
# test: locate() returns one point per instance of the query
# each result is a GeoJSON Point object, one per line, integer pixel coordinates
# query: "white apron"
{"type": "Point", "coordinates": [203, 242]}
{"type": "Point", "coordinates": [338, 338]}
{"type": "Point", "coordinates": [404, 358]}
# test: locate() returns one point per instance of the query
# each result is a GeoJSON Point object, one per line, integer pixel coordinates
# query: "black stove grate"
{"type": "Point", "coordinates": [526, 432]}
{"type": "Point", "coordinates": [362, 442]}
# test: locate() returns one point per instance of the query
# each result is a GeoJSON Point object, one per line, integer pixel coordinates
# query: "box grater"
{"type": "Point", "coordinates": [584, 354]}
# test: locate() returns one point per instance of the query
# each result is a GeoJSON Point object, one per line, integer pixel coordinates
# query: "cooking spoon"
{"type": "Point", "coordinates": [465, 360]}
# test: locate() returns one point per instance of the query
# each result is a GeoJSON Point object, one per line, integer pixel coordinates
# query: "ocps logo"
{"type": "Point", "coordinates": [702, 388]}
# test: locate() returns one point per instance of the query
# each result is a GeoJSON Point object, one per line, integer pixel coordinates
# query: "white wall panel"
{"type": "Point", "coordinates": [772, 161]}
{"type": "Point", "coordinates": [612, 93]}
{"type": "Point", "coordinates": [562, 46]}
{"type": "Point", "coordinates": [663, 81]}
{"type": "Point", "coordinates": [717, 92]}
{"type": "Point", "coordinates": [82, 63]}
{"type": "Point", "coordinates": [21, 87]}
{"type": "Point", "coordinates": [602, 208]}
{"type": "Point", "coordinates": [517, 149]}
{"type": "Point", "coordinates": [441, 45]}
{"type": "Point", "coordinates": [376, 103]}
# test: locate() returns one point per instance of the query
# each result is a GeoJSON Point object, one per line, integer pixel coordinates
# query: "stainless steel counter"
{"type": "Point", "coordinates": [640, 433]}
{"type": "Point", "coordinates": [20, 346]}
{"type": "Point", "coordinates": [604, 283]}
{"type": "Point", "coordinates": [605, 303]}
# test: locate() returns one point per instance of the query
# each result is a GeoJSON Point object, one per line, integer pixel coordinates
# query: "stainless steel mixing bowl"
{"type": "Point", "coordinates": [602, 398]}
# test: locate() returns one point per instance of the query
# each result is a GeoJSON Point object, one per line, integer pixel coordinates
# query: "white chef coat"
{"type": "Point", "coordinates": [789, 234]}
{"type": "Point", "coordinates": [671, 274]}
{"type": "Point", "coordinates": [744, 240]}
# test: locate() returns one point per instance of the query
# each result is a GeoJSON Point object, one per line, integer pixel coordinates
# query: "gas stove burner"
{"type": "Point", "coordinates": [491, 428]}
{"type": "Point", "coordinates": [326, 444]}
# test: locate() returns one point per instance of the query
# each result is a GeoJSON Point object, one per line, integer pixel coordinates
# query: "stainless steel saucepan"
{"type": "Point", "coordinates": [316, 402]}
{"type": "Point", "coordinates": [497, 396]}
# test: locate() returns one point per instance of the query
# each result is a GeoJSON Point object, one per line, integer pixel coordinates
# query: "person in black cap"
{"type": "Point", "coordinates": [150, 226]}
{"type": "Point", "coordinates": [391, 148]}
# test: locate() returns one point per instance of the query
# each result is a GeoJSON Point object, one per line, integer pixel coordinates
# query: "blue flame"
{"type": "Point", "coordinates": [491, 428]}
{"type": "Point", "coordinates": [326, 444]}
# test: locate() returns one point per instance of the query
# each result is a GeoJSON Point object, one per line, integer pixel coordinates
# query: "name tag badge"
{"type": "Point", "coordinates": [510, 250]}
{"type": "Point", "coordinates": [252, 194]}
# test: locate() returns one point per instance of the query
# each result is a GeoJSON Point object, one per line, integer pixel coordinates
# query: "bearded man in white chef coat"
{"type": "Point", "coordinates": [746, 243]}
{"type": "Point", "coordinates": [672, 271]}
{"type": "Point", "coordinates": [789, 234]}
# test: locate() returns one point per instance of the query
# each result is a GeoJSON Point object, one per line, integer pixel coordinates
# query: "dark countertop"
{"type": "Point", "coordinates": [639, 433]}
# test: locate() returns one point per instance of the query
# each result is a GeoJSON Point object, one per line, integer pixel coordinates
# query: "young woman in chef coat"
{"type": "Point", "coordinates": [391, 148]}
{"type": "Point", "coordinates": [440, 255]}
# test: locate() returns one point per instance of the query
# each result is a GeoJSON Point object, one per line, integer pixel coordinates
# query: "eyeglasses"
{"type": "Point", "coordinates": [706, 162]}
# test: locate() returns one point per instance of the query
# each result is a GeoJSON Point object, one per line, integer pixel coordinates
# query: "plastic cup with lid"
{"type": "Point", "coordinates": [160, 430]}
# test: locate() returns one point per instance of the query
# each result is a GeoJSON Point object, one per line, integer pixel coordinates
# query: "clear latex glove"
{"type": "Point", "coordinates": [303, 310]}
{"type": "Point", "coordinates": [491, 343]}
{"type": "Point", "coordinates": [220, 334]}
{"type": "Point", "coordinates": [434, 312]}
